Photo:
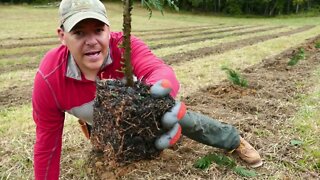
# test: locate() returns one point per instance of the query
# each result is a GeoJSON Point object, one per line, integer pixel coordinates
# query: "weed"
{"type": "Point", "coordinates": [235, 77]}
{"type": "Point", "coordinates": [297, 57]}
{"type": "Point", "coordinates": [224, 161]}
{"type": "Point", "coordinates": [317, 45]}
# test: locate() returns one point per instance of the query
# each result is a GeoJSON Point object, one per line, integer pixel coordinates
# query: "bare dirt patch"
{"type": "Point", "coordinates": [224, 47]}
{"type": "Point", "coordinates": [262, 114]}
{"type": "Point", "coordinates": [15, 96]}
{"type": "Point", "coordinates": [10, 68]}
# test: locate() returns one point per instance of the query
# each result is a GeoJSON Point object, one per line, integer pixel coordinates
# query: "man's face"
{"type": "Point", "coordinates": [88, 42]}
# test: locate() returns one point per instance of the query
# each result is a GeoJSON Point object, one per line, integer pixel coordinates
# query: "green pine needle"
{"type": "Point", "coordinates": [158, 4]}
{"type": "Point", "coordinates": [221, 160]}
{"type": "Point", "coordinates": [224, 161]}
{"type": "Point", "coordinates": [244, 172]}
{"type": "Point", "coordinates": [235, 77]}
{"type": "Point", "coordinates": [203, 163]}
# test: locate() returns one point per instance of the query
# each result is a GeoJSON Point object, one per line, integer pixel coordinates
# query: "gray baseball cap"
{"type": "Point", "coordinates": [73, 11]}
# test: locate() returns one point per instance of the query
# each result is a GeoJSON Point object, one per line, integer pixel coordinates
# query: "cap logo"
{"type": "Point", "coordinates": [82, 4]}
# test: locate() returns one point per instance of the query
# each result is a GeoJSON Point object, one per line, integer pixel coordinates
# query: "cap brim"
{"type": "Point", "coordinates": [75, 18]}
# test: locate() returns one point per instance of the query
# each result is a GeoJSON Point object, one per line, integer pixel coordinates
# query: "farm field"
{"type": "Point", "coordinates": [278, 112]}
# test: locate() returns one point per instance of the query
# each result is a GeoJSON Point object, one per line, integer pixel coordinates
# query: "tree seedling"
{"type": "Point", "coordinates": [127, 7]}
{"type": "Point", "coordinates": [224, 161]}
{"type": "Point", "coordinates": [118, 129]}
{"type": "Point", "coordinates": [235, 77]}
{"type": "Point", "coordinates": [297, 57]}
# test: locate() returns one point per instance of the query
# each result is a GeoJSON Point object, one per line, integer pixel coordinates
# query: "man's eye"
{"type": "Point", "coordinates": [78, 33]}
{"type": "Point", "coordinates": [99, 30]}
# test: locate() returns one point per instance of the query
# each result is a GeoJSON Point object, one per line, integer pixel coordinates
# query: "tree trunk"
{"type": "Point", "coordinates": [297, 8]}
{"type": "Point", "coordinates": [127, 7]}
{"type": "Point", "coordinates": [288, 6]}
{"type": "Point", "coordinates": [271, 12]}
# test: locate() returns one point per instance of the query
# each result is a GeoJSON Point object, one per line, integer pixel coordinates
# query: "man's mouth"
{"type": "Point", "coordinates": [93, 53]}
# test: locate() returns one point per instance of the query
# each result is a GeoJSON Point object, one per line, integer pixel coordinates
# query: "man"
{"type": "Point", "coordinates": [65, 82]}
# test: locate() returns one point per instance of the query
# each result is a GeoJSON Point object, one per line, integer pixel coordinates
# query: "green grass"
{"type": "Point", "coordinates": [307, 123]}
{"type": "Point", "coordinates": [297, 57]}
{"type": "Point", "coordinates": [16, 78]}
{"type": "Point", "coordinates": [16, 150]}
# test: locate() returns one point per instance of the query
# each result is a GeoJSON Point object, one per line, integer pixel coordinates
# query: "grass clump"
{"type": "Point", "coordinates": [317, 45]}
{"type": "Point", "coordinates": [224, 161]}
{"type": "Point", "coordinates": [297, 57]}
{"type": "Point", "coordinates": [235, 77]}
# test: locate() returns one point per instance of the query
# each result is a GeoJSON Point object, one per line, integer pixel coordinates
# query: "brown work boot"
{"type": "Point", "coordinates": [247, 153]}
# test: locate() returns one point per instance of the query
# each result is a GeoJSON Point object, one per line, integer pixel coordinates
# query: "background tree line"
{"type": "Point", "coordinates": [232, 7]}
{"type": "Point", "coordinates": [255, 7]}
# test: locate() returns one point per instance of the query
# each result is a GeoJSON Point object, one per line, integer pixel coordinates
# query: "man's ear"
{"type": "Point", "coordinates": [61, 35]}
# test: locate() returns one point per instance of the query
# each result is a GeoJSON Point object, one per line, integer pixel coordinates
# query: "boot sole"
{"type": "Point", "coordinates": [255, 165]}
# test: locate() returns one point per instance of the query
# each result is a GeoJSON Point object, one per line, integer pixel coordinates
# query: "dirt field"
{"type": "Point", "coordinates": [261, 112]}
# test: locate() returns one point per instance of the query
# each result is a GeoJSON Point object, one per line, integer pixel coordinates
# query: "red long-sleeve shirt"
{"type": "Point", "coordinates": [60, 87]}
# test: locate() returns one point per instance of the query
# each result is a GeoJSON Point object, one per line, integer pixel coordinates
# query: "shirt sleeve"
{"type": "Point", "coordinates": [49, 120]}
{"type": "Point", "coordinates": [150, 68]}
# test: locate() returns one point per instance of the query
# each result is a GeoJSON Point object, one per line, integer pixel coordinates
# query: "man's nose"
{"type": "Point", "coordinates": [91, 40]}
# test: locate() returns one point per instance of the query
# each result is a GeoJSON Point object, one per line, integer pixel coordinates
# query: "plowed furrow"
{"type": "Point", "coordinates": [182, 34]}
{"type": "Point", "coordinates": [199, 33]}
{"type": "Point", "coordinates": [28, 44]}
{"type": "Point", "coordinates": [174, 30]}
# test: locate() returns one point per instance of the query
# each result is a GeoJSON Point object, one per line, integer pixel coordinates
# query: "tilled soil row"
{"type": "Point", "coordinates": [29, 44]}
{"type": "Point", "coordinates": [20, 54]}
{"type": "Point", "coordinates": [224, 47]}
{"type": "Point", "coordinates": [183, 34]}
{"type": "Point", "coordinates": [175, 30]}
{"type": "Point", "coordinates": [27, 38]}
{"type": "Point", "coordinates": [207, 38]}
{"type": "Point", "coordinates": [16, 96]}
{"type": "Point", "coordinates": [263, 107]}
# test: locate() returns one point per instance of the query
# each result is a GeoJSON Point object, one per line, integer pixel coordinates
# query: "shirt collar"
{"type": "Point", "coordinates": [73, 70]}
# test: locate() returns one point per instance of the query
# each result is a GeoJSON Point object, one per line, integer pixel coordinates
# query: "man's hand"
{"type": "Point", "coordinates": [170, 119]}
